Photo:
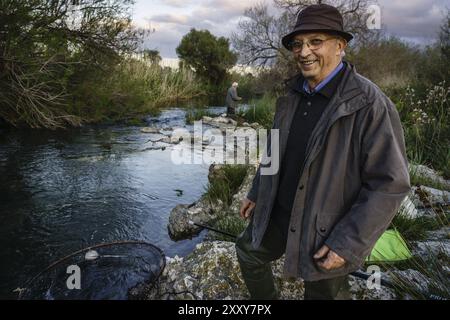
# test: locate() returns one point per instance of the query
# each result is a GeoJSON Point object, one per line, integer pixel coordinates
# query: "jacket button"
{"type": "Point", "coordinates": [323, 229]}
{"type": "Point", "coordinates": [308, 103]}
{"type": "Point", "coordinates": [292, 229]}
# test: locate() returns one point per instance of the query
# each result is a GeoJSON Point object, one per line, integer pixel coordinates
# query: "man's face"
{"type": "Point", "coordinates": [323, 55]}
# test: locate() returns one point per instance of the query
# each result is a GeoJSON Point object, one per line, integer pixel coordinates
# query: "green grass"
{"type": "Point", "coordinates": [261, 110]}
{"type": "Point", "coordinates": [197, 114]}
{"type": "Point", "coordinates": [230, 223]}
{"type": "Point", "coordinates": [226, 183]}
{"type": "Point", "coordinates": [417, 228]}
{"type": "Point", "coordinates": [223, 184]}
{"type": "Point", "coordinates": [426, 122]}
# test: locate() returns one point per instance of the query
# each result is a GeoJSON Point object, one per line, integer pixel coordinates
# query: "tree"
{"type": "Point", "coordinates": [152, 55]}
{"type": "Point", "coordinates": [49, 47]}
{"type": "Point", "coordinates": [259, 37]}
{"type": "Point", "coordinates": [210, 57]}
{"type": "Point", "coordinates": [433, 67]}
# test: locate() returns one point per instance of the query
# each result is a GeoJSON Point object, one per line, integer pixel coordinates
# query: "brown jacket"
{"type": "Point", "coordinates": [354, 178]}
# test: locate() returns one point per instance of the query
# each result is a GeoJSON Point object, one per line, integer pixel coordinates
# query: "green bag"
{"type": "Point", "coordinates": [390, 247]}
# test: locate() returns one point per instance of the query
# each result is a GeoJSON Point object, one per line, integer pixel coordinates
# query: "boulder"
{"type": "Point", "coordinates": [181, 217]}
{"type": "Point", "coordinates": [211, 272]}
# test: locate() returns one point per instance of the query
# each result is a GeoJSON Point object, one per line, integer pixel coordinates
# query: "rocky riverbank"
{"type": "Point", "coordinates": [211, 271]}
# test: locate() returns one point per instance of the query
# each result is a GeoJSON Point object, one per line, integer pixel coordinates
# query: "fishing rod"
{"type": "Point", "coordinates": [212, 229]}
{"type": "Point", "coordinates": [358, 274]}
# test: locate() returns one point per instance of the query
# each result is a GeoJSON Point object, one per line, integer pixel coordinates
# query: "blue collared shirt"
{"type": "Point", "coordinates": [324, 81]}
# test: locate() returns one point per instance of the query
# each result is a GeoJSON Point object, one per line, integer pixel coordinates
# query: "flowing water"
{"type": "Point", "coordinates": [65, 190]}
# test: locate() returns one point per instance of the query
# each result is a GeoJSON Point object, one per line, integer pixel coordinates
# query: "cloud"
{"type": "Point", "coordinates": [170, 18]}
{"type": "Point", "coordinates": [177, 3]}
{"type": "Point", "coordinates": [413, 19]}
{"type": "Point", "coordinates": [220, 17]}
{"type": "Point", "coordinates": [165, 39]}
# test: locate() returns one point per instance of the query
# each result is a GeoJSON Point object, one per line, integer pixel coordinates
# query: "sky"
{"type": "Point", "coordinates": [417, 21]}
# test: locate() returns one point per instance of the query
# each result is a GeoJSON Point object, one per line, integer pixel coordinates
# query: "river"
{"type": "Point", "coordinates": [61, 191]}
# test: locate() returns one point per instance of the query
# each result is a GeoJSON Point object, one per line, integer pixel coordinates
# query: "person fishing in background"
{"type": "Point", "coordinates": [231, 99]}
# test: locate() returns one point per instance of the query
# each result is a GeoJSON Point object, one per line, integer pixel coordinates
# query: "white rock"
{"type": "Point", "coordinates": [408, 208]}
{"type": "Point", "coordinates": [434, 196]}
{"type": "Point", "coordinates": [431, 249]}
{"type": "Point", "coordinates": [149, 130]}
{"type": "Point", "coordinates": [360, 291]}
{"type": "Point", "coordinates": [426, 172]}
{"type": "Point", "coordinates": [413, 280]}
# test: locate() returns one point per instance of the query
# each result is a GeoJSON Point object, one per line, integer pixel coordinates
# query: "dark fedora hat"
{"type": "Point", "coordinates": [318, 18]}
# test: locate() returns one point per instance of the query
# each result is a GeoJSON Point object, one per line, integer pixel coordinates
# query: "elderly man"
{"type": "Point", "coordinates": [343, 171]}
{"type": "Point", "coordinates": [232, 98]}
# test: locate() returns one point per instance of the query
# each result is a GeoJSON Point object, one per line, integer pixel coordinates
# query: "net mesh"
{"type": "Point", "coordinates": [110, 271]}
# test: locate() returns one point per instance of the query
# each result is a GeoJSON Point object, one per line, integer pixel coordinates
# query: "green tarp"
{"type": "Point", "coordinates": [390, 247]}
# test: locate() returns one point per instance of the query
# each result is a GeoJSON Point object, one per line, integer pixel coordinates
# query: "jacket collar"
{"type": "Point", "coordinates": [346, 89]}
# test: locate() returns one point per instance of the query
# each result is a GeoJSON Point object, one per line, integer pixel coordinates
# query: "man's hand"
{"type": "Point", "coordinates": [246, 208]}
{"type": "Point", "coordinates": [327, 259]}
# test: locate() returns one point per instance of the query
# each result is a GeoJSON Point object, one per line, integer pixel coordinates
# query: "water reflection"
{"type": "Point", "coordinates": [61, 191]}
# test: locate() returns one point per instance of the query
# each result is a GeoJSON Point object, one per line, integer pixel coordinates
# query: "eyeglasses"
{"type": "Point", "coordinates": [313, 44]}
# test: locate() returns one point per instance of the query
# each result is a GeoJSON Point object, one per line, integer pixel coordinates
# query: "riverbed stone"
{"type": "Point", "coordinates": [220, 122]}
{"type": "Point", "coordinates": [150, 130]}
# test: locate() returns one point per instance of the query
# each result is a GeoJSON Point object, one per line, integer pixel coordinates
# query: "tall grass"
{"type": "Point", "coordinates": [226, 183]}
{"type": "Point", "coordinates": [231, 223]}
{"type": "Point", "coordinates": [133, 88]}
{"type": "Point", "coordinates": [415, 229]}
{"type": "Point", "coordinates": [426, 122]}
{"type": "Point", "coordinates": [261, 110]}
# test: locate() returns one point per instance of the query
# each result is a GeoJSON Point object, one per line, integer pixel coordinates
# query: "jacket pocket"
{"type": "Point", "coordinates": [325, 221]}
